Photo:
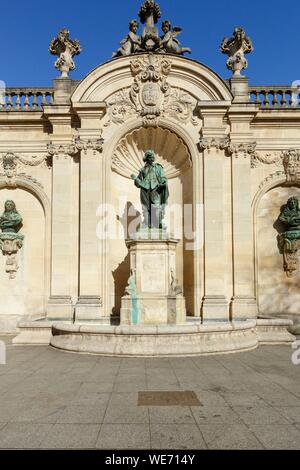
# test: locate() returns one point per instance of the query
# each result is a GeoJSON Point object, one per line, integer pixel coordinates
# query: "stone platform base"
{"type": "Point", "coordinates": [39, 332]}
{"type": "Point", "coordinates": [274, 331]}
{"type": "Point", "coordinates": [159, 341]}
{"type": "Point", "coordinates": [34, 332]}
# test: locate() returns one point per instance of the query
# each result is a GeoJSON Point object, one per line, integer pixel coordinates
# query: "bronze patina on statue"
{"type": "Point", "coordinates": [289, 240]}
{"type": "Point", "coordinates": [150, 41]}
{"type": "Point", "coordinates": [10, 240]}
{"type": "Point", "coordinates": [154, 192]}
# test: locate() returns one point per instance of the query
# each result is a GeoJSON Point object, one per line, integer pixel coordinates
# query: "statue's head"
{"type": "Point", "coordinates": [10, 206]}
{"type": "Point", "coordinates": [166, 26]}
{"type": "Point", "coordinates": [293, 203]}
{"type": "Point", "coordinates": [134, 26]}
{"type": "Point", "coordinates": [63, 34]}
{"type": "Point", "coordinates": [149, 156]}
{"type": "Point", "coordinates": [239, 33]}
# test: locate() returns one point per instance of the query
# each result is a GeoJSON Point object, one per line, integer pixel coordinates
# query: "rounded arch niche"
{"type": "Point", "coordinates": [127, 159]}
{"type": "Point", "coordinates": [25, 296]}
{"type": "Point", "coordinates": [277, 294]}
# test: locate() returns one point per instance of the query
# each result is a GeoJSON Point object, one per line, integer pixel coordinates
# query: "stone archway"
{"type": "Point", "coordinates": [174, 156]}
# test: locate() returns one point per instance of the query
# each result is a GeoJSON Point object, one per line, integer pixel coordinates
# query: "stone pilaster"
{"type": "Point", "coordinates": [63, 248]}
{"type": "Point", "coordinates": [90, 301]}
{"type": "Point", "coordinates": [60, 302]}
{"type": "Point", "coordinates": [241, 150]}
{"type": "Point", "coordinates": [213, 143]}
{"type": "Point", "coordinates": [215, 304]}
{"type": "Point", "coordinates": [243, 303]}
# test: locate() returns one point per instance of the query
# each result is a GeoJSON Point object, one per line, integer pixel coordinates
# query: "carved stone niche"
{"type": "Point", "coordinates": [170, 151]}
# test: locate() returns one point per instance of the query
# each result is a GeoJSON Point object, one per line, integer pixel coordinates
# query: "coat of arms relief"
{"type": "Point", "coordinates": [151, 96]}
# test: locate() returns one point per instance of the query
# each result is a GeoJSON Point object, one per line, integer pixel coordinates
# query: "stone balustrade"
{"type": "Point", "coordinates": [275, 96]}
{"type": "Point", "coordinates": [25, 99]}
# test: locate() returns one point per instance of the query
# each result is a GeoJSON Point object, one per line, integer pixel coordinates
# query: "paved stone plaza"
{"type": "Point", "coordinates": [51, 399]}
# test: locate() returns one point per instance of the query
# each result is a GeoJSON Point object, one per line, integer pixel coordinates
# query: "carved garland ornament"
{"type": "Point", "coordinates": [150, 96]}
{"type": "Point", "coordinates": [11, 163]}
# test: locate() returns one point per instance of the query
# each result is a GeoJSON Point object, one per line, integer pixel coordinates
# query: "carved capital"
{"type": "Point", "coordinates": [242, 150]}
{"type": "Point", "coordinates": [89, 144]}
{"type": "Point", "coordinates": [206, 143]}
{"type": "Point", "coordinates": [61, 150]}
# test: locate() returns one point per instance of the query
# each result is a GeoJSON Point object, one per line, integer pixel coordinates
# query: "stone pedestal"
{"type": "Point", "coordinates": [152, 295]}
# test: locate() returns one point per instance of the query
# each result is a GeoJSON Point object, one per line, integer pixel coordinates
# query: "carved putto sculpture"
{"type": "Point", "coordinates": [169, 42]}
{"type": "Point", "coordinates": [236, 47]}
{"type": "Point", "coordinates": [132, 43]}
{"type": "Point", "coordinates": [290, 238]}
{"type": "Point", "coordinates": [10, 240]}
{"type": "Point", "coordinates": [150, 41]}
{"type": "Point", "coordinates": [65, 48]}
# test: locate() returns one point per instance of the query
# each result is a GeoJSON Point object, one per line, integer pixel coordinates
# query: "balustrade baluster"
{"type": "Point", "coordinates": [9, 101]}
{"type": "Point", "coordinates": [35, 103]}
{"type": "Point", "coordinates": [266, 101]}
{"type": "Point", "coordinates": [18, 101]}
{"type": "Point", "coordinates": [275, 98]}
{"type": "Point", "coordinates": [283, 100]}
{"type": "Point", "coordinates": [26, 101]}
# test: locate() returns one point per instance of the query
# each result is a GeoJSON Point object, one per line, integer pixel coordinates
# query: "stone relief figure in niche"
{"type": "Point", "coordinates": [132, 43]}
{"type": "Point", "coordinates": [10, 240]}
{"type": "Point", "coordinates": [289, 240]}
{"type": "Point", "coordinates": [154, 191]}
{"type": "Point", "coordinates": [169, 42]}
{"type": "Point", "coordinates": [236, 47]}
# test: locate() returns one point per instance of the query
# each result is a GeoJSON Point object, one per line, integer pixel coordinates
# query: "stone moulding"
{"type": "Point", "coordinates": [160, 341]}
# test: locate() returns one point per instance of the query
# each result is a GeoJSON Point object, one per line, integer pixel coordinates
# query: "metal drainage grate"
{"type": "Point", "coordinates": [187, 398]}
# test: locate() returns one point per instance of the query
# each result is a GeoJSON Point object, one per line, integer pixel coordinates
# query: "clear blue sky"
{"type": "Point", "coordinates": [28, 26]}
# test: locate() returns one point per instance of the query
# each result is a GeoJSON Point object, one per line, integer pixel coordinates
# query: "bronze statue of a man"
{"type": "Point", "coordinates": [154, 191]}
{"type": "Point", "coordinates": [290, 217]}
{"type": "Point", "coordinates": [10, 220]}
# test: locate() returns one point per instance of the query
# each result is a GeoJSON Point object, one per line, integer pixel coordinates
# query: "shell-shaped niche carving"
{"type": "Point", "coordinates": [169, 149]}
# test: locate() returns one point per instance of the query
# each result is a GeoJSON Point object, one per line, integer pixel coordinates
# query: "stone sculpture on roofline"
{"type": "Point", "coordinates": [150, 41]}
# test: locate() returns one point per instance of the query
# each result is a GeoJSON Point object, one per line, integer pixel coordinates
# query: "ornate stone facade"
{"type": "Point", "coordinates": [67, 165]}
